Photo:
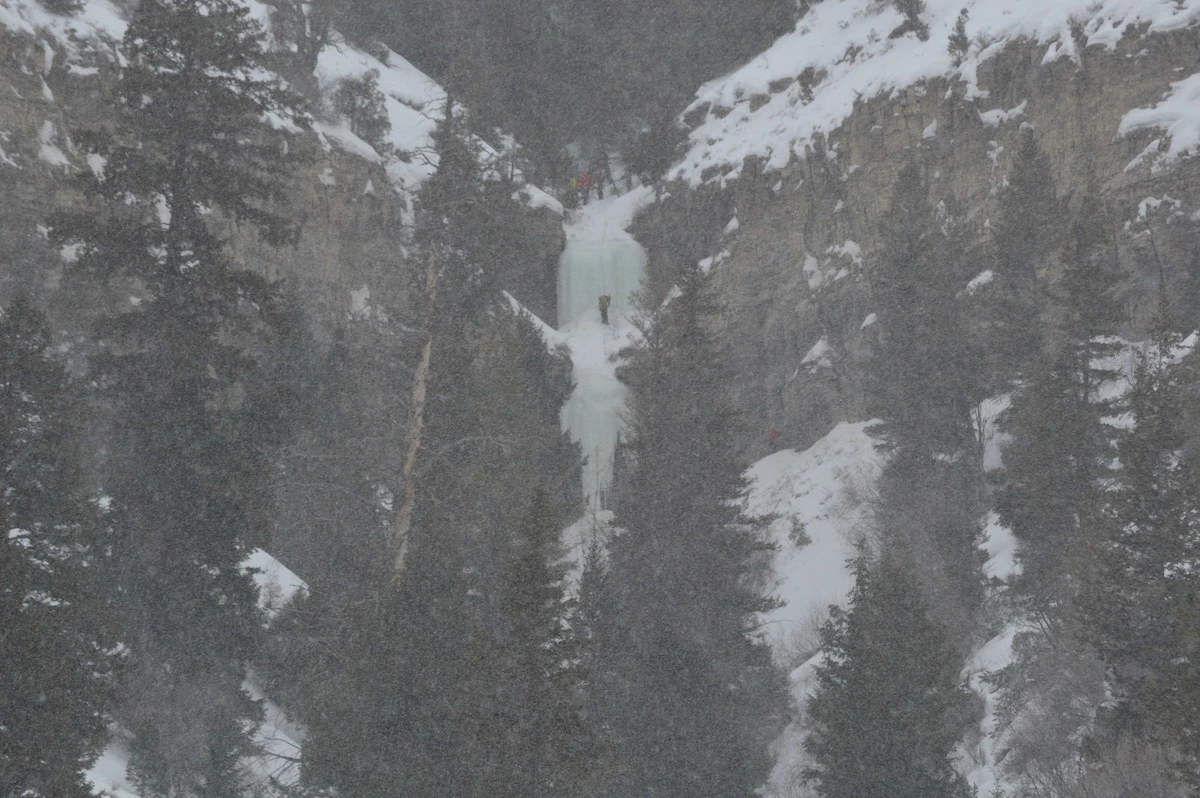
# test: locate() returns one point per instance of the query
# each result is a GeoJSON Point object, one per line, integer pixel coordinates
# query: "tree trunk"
{"type": "Point", "coordinates": [416, 422]}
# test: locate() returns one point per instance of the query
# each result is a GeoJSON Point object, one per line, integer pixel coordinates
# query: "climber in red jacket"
{"type": "Point", "coordinates": [585, 187]}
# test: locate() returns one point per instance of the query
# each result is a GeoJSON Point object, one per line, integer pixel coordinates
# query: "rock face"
{"type": "Point", "coordinates": [795, 270]}
{"type": "Point", "coordinates": [352, 259]}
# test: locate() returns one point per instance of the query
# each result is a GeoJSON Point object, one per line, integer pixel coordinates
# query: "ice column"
{"type": "Point", "coordinates": [590, 266]}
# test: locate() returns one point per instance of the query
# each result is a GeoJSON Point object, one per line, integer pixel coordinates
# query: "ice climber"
{"type": "Point", "coordinates": [605, 300]}
{"type": "Point", "coordinates": [585, 187]}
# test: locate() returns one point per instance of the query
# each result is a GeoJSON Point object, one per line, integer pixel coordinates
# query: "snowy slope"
{"type": "Point", "coordinates": [98, 20]}
{"type": "Point", "coordinates": [277, 737]}
{"type": "Point", "coordinates": [846, 46]}
{"type": "Point", "coordinates": [413, 101]}
{"type": "Point", "coordinates": [815, 488]}
{"type": "Point", "coordinates": [818, 487]}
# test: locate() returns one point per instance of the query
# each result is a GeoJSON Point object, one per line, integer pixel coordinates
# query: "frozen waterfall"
{"type": "Point", "coordinates": [600, 258]}
{"type": "Point", "coordinates": [592, 267]}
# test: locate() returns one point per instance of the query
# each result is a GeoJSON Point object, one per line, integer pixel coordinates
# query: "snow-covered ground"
{"type": "Point", "coordinates": [107, 773]}
{"type": "Point", "coordinates": [814, 489]}
{"type": "Point", "coordinates": [846, 45]}
{"type": "Point", "coordinates": [278, 738]}
{"type": "Point", "coordinates": [277, 584]}
{"type": "Point", "coordinates": [819, 490]}
{"type": "Point", "coordinates": [98, 19]}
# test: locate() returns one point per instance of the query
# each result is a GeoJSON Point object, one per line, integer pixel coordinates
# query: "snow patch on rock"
{"type": "Point", "coordinates": [848, 47]}
{"type": "Point", "coordinates": [1177, 115]}
{"type": "Point", "coordinates": [813, 488]}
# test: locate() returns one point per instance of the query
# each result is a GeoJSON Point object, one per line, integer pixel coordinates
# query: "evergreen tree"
{"type": "Point", "coordinates": [912, 11]}
{"type": "Point", "coordinates": [924, 381]}
{"type": "Point", "coordinates": [304, 29]}
{"type": "Point", "coordinates": [925, 386]}
{"type": "Point", "coordinates": [959, 44]}
{"type": "Point", "coordinates": [690, 699]}
{"type": "Point", "coordinates": [1061, 447]}
{"type": "Point", "coordinates": [1025, 231]}
{"type": "Point", "coordinates": [532, 717]}
{"type": "Point", "coordinates": [429, 667]}
{"type": "Point", "coordinates": [1089, 296]}
{"type": "Point", "coordinates": [492, 391]}
{"type": "Point", "coordinates": [52, 615]}
{"type": "Point", "coordinates": [65, 7]}
{"type": "Point", "coordinates": [392, 705]}
{"type": "Point", "coordinates": [591, 620]}
{"type": "Point", "coordinates": [1025, 235]}
{"type": "Point", "coordinates": [187, 456]}
{"type": "Point", "coordinates": [1142, 608]}
{"type": "Point", "coordinates": [361, 102]}
{"type": "Point", "coordinates": [656, 148]}
{"type": "Point", "coordinates": [888, 710]}
{"type": "Point", "coordinates": [332, 511]}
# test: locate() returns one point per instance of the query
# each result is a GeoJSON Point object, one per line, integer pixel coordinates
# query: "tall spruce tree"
{"type": "Point", "coordinates": [390, 708]}
{"type": "Point", "coordinates": [1025, 234]}
{"type": "Point", "coordinates": [476, 360]}
{"type": "Point", "coordinates": [427, 661]}
{"type": "Point", "coordinates": [1061, 446]}
{"type": "Point", "coordinates": [190, 141]}
{"type": "Point", "coordinates": [924, 381]}
{"type": "Point", "coordinates": [1143, 605]}
{"type": "Point", "coordinates": [925, 385]}
{"type": "Point", "coordinates": [888, 710]}
{"type": "Point", "coordinates": [531, 714]}
{"type": "Point", "coordinates": [57, 694]}
{"type": "Point", "coordinates": [1089, 294]}
{"type": "Point", "coordinates": [331, 519]}
{"type": "Point", "coordinates": [690, 698]}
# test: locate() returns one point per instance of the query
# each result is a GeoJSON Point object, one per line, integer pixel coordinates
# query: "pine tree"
{"type": "Point", "coordinates": [656, 149]}
{"type": "Point", "coordinates": [959, 44]}
{"type": "Point", "coordinates": [912, 11]}
{"type": "Point", "coordinates": [925, 385]}
{"type": "Point", "coordinates": [592, 620]}
{"type": "Point", "coordinates": [52, 613]}
{"type": "Point", "coordinates": [392, 706]}
{"type": "Point", "coordinates": [888, 710]}
{"type": "Point", "coordinates": [191, 141]}
{"type": "Point", "coordinates": [924, 380]}
{"type": "Point", "coordinates": [1025, 235]}
{"type": "Point", "coordinates": [691, 696]}
{"type": "Point", "coordinates": [427, 660]}
{"type": "Point", "coordinates": [1142, 606]}
{"type": "Point", "coordinates": [65, 7]}
{"type": "Point", "coordinates": [1061, 447]}
{"type": "Point", "coordinates": [532, 722]}
{"type": "Point", "coordinates": [1028, 212]}
{"type": "Point", "coordinates": [1089, 295]}
{"type": "Point", "coordinates": [489, 390]}
{"type": "Point", "coordinates": [361, 102]}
